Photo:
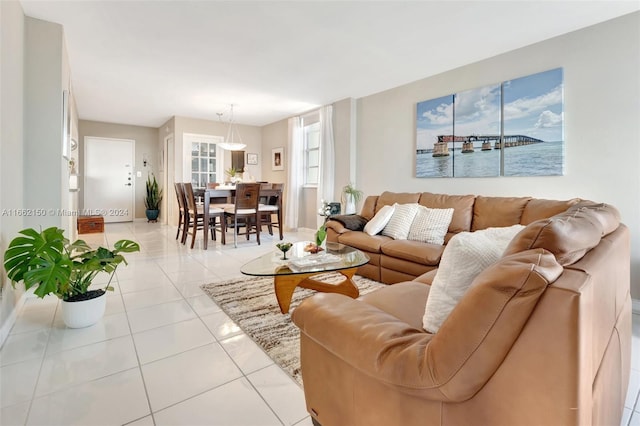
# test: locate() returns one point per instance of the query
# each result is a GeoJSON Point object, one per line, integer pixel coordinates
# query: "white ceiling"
{"type": "Point", "coordinates": [142, 62]}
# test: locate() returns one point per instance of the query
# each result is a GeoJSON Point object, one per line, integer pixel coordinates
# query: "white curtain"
{"type": "Point", "coordinates": [326, 173]}
{"type": "Point", "coordinates": [293, 188]}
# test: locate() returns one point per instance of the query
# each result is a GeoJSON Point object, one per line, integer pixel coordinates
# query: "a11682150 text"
{"type": "Point", "coordinates": [64, 212]}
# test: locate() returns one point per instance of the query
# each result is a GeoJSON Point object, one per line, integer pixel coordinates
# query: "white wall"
{"type": "Point", "coordinates": [274, 135]}
{"type": "Point", "coordinates": [34, 175]}
{"type": "Point", "coordinates": [602, 124]}
{"type": "Point", "coordinates": [12, 136]}
{"type": "Point", "coordinates": [344, 129]}
{"type": "Point", "coordinates": [43, 122]}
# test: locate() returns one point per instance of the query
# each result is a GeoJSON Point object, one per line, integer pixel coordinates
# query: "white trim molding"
{"type": "Point", "coordinates": [11, 319]}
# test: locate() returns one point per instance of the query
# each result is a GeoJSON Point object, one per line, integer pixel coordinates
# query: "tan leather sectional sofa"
{"type": "Point", "coordinates": [542, 337]}
{"type": "Point", "coordinates": [394, 261]}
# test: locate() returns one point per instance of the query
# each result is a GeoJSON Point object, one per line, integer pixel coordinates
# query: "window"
{"type": "Point", "coordinates": [204, 164]}
{"type": "Point", "coordinates": [311, 139]}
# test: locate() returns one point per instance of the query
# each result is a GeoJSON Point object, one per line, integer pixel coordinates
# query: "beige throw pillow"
{"type": "Point", "coordinates": [465, 256]}
{"type": "Point", "coordinates": [401, 220]}
{"type": "Point", "coordinates": [430, 225]}
{"type": "Point", "coordinates": [379, 221]}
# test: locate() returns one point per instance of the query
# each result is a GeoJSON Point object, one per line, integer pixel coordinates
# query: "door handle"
{"type": "Point", "coordinates": [127, 184]}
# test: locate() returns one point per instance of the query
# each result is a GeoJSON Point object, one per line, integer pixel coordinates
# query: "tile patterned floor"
{"type": "Point", "coordinates": [164, 352]}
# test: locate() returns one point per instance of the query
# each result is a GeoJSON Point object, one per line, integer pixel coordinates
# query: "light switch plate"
{"type": "Point", "coordinates": [139, 174]}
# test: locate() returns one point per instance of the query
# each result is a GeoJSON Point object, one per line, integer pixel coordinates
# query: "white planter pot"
{"type": "Point", "coordinates": [350, 204]}
{"type": "Point", "coordinates": [85, 312]}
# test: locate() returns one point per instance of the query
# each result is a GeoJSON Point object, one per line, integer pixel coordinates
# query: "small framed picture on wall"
{"type": "Point", "coordinates": [252, 159]}
{"type": "Point", "coordinates": [277, 158]}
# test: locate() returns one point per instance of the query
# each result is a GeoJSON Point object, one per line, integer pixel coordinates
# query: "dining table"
{"type": "Point", "coordinates": [227, 193]}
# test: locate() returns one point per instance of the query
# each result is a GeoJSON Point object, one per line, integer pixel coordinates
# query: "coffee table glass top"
{"type": "Point", "coordinates": [335, 257]}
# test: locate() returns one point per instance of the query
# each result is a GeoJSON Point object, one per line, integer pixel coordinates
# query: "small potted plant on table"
{"type": "Point", "coordinates": [55, 266]}
{"type": "Point", "coordinates": [352, 197]}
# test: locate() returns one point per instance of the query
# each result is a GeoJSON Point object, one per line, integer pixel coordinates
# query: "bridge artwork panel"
{"type": "Point", "coordinates": [511, 129]}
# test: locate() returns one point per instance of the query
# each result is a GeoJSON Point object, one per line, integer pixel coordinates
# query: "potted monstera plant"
{"type": "Point", "coordinates": [152, 199]}
{"type": "Point", "coordinates": [54, 265]}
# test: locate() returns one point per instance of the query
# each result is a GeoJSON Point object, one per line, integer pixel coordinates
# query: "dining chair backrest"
{"type": "Point", "coordinates": [271, 197]}
{"type": "Point", "coordinates": [265, 185]}
{"type": "Point", "coordinates": [191, 199]}
{"type": "Point", "coordinates": [279, 186]}
{"type": "Point", "coordinates": [247, 196]}
{"type": "Point", "coordinates": [180, 196]}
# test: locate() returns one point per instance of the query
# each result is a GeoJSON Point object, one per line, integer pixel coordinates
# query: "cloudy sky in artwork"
{"type": "Point", "coordinates": [532, 107]}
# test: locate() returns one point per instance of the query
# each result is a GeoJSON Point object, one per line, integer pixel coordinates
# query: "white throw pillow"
{"type": "Point", "coordinates": [465, 256]}
{"type": "Point", "coordinates": [400, 222]}
{"type": "Point", "coordinates": [380, 220]}
{"type": "Point", "coordinates": [430, 225]}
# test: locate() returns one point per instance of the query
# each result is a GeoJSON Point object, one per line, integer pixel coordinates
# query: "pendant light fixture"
{"type": "Point", "coordinates": [232, 142]}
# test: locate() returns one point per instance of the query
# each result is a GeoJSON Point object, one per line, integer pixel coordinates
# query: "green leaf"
{"type": "Point", "coordinates": [154, 194]}
{"type": "Point", "coordinates": [48, 274]}
{"type": "Point", "coordinates": [78, 247]}
{"type": "Point", "coordinates": [126, 246]}
{"type": "Point", "coordinates": [22, 251]}
{"type": "Point", "coordinates": [321, 234]}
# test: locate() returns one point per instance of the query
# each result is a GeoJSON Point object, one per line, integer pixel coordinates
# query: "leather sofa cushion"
{"type": "Point", "coordinates": [462, 205]}
{"type": "Point", "coordinates": [406, 301]}
{"type": "Point", "coordinates": [414, 251]}
{"type": "Point", "coordinates": [568, 235]}
{"type": "Point", "coordinates": [537, 209]}
{"type": "Point", "coordinates": [489, 212]}
{"type": "Point", "coordinates": [363, 241]}
{"type": "Point", "coordinates": [389, 198]}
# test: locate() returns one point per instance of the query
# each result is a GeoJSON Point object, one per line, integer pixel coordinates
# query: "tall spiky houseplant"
{"type": "Point", "coordinates": [153, 199]}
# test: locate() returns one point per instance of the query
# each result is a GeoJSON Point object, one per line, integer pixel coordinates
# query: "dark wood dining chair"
{"type": "Point", "coordinates": [245, 211]}
{"type": "Point", "coordinates": [182, 212]}
{"type": "Point", "coordinates": [270, 207]}
{"type": "Point", "coordinates": [196, 217]}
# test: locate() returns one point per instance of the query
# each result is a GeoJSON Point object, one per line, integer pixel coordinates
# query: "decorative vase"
{"type": "Point", "coordinates": [84, 313]}
{"type": "Point", "coordinates": [152, 215]}
{"type": "Point", "coordinates": [350, 204]}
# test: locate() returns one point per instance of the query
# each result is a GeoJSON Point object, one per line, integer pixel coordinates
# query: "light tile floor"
{"type": "Point", "coordinates": [164, 353]}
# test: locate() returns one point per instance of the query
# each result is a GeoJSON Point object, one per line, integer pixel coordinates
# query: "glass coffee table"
{"type": "Point", "coordinates": [301, 267]}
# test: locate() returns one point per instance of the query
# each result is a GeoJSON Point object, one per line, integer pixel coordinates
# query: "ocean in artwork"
{"type": "Point", "coordinates": [539, 159]}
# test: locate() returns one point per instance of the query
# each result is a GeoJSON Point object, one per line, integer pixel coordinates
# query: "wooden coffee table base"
{"type": "Point", "coordinates": [285, 285]}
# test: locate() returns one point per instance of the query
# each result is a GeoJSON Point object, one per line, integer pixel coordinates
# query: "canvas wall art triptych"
{"type": "Point", "coordinates": [513, 128]}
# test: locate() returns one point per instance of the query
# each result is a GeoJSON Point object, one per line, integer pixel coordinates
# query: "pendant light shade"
{"type": "Point", "coordinates": [233, 141]}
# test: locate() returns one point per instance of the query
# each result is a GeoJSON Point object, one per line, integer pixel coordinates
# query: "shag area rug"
{"type": "Point", "coordinates": [251, 303]}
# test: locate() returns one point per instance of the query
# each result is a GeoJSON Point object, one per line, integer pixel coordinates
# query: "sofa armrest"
{"type": "Point", "coordinates": [335, 226]}
{"type": "Point", "coordinates": [368, 339]}
{"type": "Point", "coordinates": [452, 365]}
{"type": "Point", "coordinates": [427, 277]}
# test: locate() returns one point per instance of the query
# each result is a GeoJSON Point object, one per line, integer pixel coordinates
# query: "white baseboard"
{"type": "Point", "coordinates": [11, 320]}
{"type": "Point", "coordinates": [635, 306]}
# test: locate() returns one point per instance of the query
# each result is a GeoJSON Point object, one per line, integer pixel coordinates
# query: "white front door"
{"type": "Point", "coordinates": [108, 178]}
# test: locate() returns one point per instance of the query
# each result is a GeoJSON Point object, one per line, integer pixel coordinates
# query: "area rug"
{"type": "Point", "coordinates": [251, 303]}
